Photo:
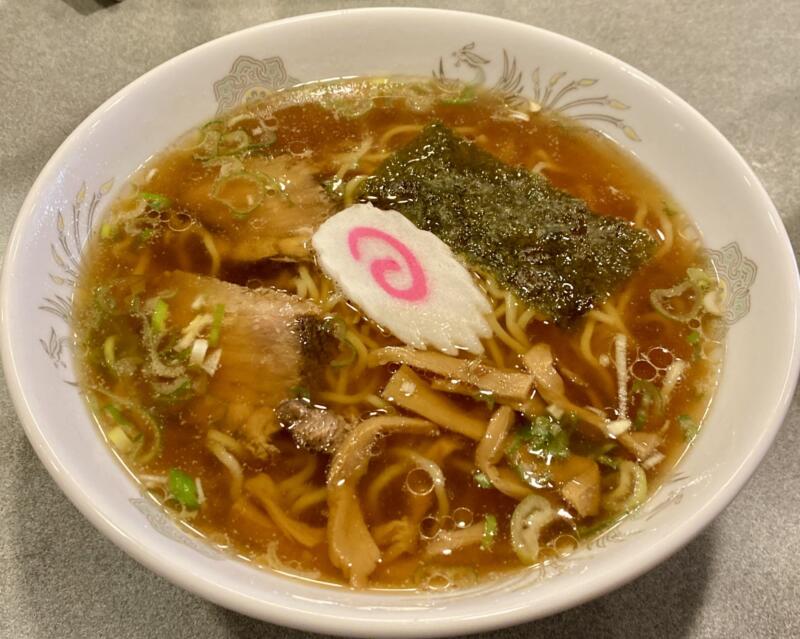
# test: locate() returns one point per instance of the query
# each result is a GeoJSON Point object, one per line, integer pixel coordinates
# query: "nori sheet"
{"type": "Point", "coordinates": [536, 240]}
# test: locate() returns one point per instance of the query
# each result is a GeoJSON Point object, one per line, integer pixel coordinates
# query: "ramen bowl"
{"type": "Point", "coordinates": [747, 245]}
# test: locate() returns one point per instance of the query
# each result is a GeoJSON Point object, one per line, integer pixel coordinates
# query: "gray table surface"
{"type": "Point", "coordinates": [737, 62]}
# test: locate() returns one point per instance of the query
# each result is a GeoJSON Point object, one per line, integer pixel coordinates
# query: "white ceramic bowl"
{"type": "Point", "coordinates": [694, 162]}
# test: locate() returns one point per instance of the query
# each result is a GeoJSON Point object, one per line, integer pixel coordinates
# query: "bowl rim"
{"type": "Point", "coordinates": [384, 625]}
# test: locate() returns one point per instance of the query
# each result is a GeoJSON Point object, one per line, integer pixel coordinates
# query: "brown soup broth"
{"type": "Point", "coordinates": [323, 125]}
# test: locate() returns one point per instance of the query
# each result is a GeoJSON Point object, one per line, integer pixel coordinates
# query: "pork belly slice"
{"type": "Point", "coordinates": [271, 344]}
{"type": "Point", "coordinates": [293, 207]}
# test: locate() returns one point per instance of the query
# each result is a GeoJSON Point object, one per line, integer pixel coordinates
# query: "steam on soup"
{"type": "Point", "coordinates": [397, 334]}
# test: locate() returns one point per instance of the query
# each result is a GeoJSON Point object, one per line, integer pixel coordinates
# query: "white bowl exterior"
{"type": "Point", "coordinates": [704, 174]}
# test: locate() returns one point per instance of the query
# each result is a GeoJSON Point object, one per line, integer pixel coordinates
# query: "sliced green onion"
{"type": "Point", "coordinates": [156, 201]}
{"type": "Point", "coordinates": [143, 416]}
{"type": "Point", "coordinates": [544, 437]}
{"type": "Point", "coordinates": [660, 297]}
{"type": "Point", "coordinates": [350, 108]}
{"type": "Point", "coordinates": [300, 392]}
{"type": "Point", "coordinates": [242, 202]}
{"type": "Point", "coordinates": [216, 325]}
{"type": "Point", "coordinates": [120, 440]}
{"type": "Point", "coordinates": [158, 320]}
{"type": "Point", "coordinates": [588, 531]}
{"type": "Point", "coordinates": [631, 490]}
{"type": "Point", "coordinates": [688, 426]}
{"type": "Point", "coordinates": [531, 515]}
{"type": "Point", "coordinates": [650, 399]}
{"type": "Point", "coordinates": [489, 532]}
{"type": "Point", "coordinates": [348, 357]}
{"type": "Point", "coordinates": [123, 422]}
{"type": "Point", "coordinates": [233, 142]}
{"type": "Point", "coordinates": [486, 398]}
{"type": "Point", "coordinates": [466, 96]}
{"type": "Point", "coordinates": [701, 278]}
{"type": "Point", "coordinates": [337, 327]}
{"type": "Point", "coordinates": [107, 231]}
{"type": "Point", "coordinates": [482, 480]}
{"type": "Point", "coordinates": [208, 145]}
{"type": "Point", "coordinates": [173, 390]}
{"type": "Point", "coordinates": [108, 351]}
{"type": "Point", "coordinates": [607, 461]}
{"type": "Point", "coordinates": [183, 488]}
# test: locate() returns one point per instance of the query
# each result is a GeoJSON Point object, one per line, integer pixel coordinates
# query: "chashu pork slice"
{"type": "Point", "coordinates": [271, 343]}
{"type": "Point", "coordinates": [292, 206]}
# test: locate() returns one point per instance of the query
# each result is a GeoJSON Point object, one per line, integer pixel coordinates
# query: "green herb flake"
{"type": "Point", "coordinates": [156, 201]}
{"type": "Point", "coordinates": [536, 240]}
{"type": "Point", "coordinates": [489, 532]}
{"type": "Point", "coordinates": [486, 398]}
{"type": "Point", "coordinates": [215, 331]}
{"type": "Point", "coordinates": [130, 430]}
{"type": "Point", "coordinates": [608, 462]}
{"type": "Point", "coordinates": [701, 279]}
{"type": "Point", "coordinates": [688, 426]}
{"type": "Point", "coordinates": [300, 392]}
{"type": "Point", "coordinates": [108, 231]}
{"type": "Point", "coordinates": [482, 480]}
{"type": "Point", "coordinates": [650, 402]}
{"type": "Point", "coordinates": [183, 488]}
{"type": "Point", "coordinates": [545, 437]}
{"type": "Point", "coordinates": [109, 351]}
{"type": "Point", "coordinates": [158, 320]}
{"type": "Point", "coordinates": [467, 95]}
{"type": "Point", "coordinates": [242, 192]}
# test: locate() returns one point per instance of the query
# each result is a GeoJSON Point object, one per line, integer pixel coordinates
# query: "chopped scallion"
{"type": "Point", "coordinates": [300, 392]}
{"type": "Point", "coordinates": [113, 411]}
{"type": "Point", "coordinates": [241, 192]}
{"type": "Point", "coordinates": [489, 532]}
{"type": "Point", "coordinates": [467, 95]}
{"type": "Point", "coordinates": [688, 426]}
{"type": "Point", "coordinates": [120, 440]}
{"type": "Point", "coordinates": [216, 325]}
{"type": "Point", "coordinates": [156, 201]}
{"type": "Point", "coordinates": [158, 320]}
{"type": "Point", "coordinates": [486, 398]}
{"type": "Point", "coordinates": [650, 400]}
{"type": "Point", "coordinates": [183, 488]}
{"type": "Point", "coordinates": [348, 358]}
{"type": "Point", "coordinates": [607, 461]}
{"type": "Point", "coordinates": [107, 231]}
{"type": "Point", "coordinates": [233, 142]}
{"type": "Point", "coordinates": [109, 351]}
{"type": "Point", "coordinates": [482, 480]}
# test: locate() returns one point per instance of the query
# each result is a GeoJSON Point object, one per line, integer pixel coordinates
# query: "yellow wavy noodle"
{"type": "Point", "coordinates": [311, 498]}
{"type": "Point", "coordinates": [382, 481]}
{"type": "Point", "coordinates": [232, 464]}
{"type": "Point", "coordinates": [585, 350]}
{"type": "Point", "coordinates": [394, 131]}
{"type": "Point", "coordinates": [293, 486]}
{"type": "Point", "coordinates": [350, 188]}
{"type": "Point", "coordinates": [495, 352]}
{"type": "Point", "coordinates": [641, 214]}
{"type": "Point", "coordinates": [622, 301]}
{"type": "Point", "coordinates": [668, 232]}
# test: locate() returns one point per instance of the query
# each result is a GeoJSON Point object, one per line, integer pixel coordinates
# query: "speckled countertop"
{"type": "Point", "coordinates": [735, 61]}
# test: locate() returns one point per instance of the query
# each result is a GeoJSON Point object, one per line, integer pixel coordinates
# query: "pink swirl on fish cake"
{"type": "Point", "coordinates": [417, 290]}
